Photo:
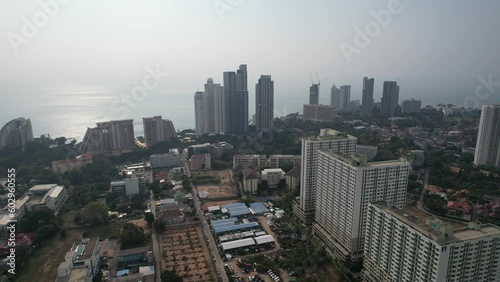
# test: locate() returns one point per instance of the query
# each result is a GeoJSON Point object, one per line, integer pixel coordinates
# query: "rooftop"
{"type": "Point", "coordinates": [42, 187]}
{"type": "Point", "coordinates": [357, 160]}
{"type": "Point", "coordinates": [435, 229]}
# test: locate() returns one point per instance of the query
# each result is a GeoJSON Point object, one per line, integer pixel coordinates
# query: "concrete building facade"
{"type": "Point", "coordinates": [367, 97]}
{"type": "Point", "coordinates": [157, 130]}
{"type": "Point", "coordinates": [264, 104]}
{"type": "Point", "coordinates": [345, 186]}
{"type": "Point", "coordinates": [328, 139]}
{"type": "Point", "coordinates": [488, 137]}
{"type": "Point", "coordinates": [408, 245]}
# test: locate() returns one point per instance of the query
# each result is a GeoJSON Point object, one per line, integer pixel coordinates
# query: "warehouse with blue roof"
{"type": "Point", "coordinates": [258, 208]}
{"type": "Point", "coordinates": [237, 209]}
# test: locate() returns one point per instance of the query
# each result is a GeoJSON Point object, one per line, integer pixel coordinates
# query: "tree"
{"type": "Point", "coordinates": [170, 276]}
{"type": "Point", "coordinates": [95, 213]}
{"type": "Point", "coordinates": [149, 217]}
{"type": "Point", "coordinates": [159, 225]}
{"type": "Point", "coordinates": [132, 236]}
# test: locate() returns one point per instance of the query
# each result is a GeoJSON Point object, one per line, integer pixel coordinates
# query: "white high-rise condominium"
{"type": "Point", "coordinates": [488, 137]}
{"type": "Point", "coordinates": [264, 103]}
{"type": "Point", "coordinates": [328, 139]}
{"type": "Point", "coordinates": [409, 246]}
{"type": "Point", "coordinates": [199, 112]}
{"type": "Point", "coordinates": [344, 187]}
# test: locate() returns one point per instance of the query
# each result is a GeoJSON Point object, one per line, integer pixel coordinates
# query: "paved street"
{"type": "Point", "coordinates": [156, 244]}
{"type": "Point", "coordinates": [219, 264]}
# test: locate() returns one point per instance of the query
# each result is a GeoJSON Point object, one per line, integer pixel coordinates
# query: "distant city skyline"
{"type": "Point", "coordinates": [72, 56]}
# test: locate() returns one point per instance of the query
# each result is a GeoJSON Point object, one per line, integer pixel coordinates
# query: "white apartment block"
{"type": "Point", "coordinates": [345, 186]}
{"type": "Point", "coordinates": [488, 137]}
{"type": "Point", "coordinates": [246, 160]}
{"type": "Point", "coordinates": [277, 161]}
{"type": "Point", "coordinates": [409, 246]}
{"type": "Point", "coordinates": [328, 139]}
{"type": "Point", "coordinates": [273, 176]}
{"type": "Point", "coordinates": [61, 166]}
{"type": "Point", "coordinates": [365, 150]}
{"type": "Point", "coordinates": [251, 180]}
{"type": "Point", "coordinates": [170, 159]}
{"type": "Point", "coordinates": [128, 187]}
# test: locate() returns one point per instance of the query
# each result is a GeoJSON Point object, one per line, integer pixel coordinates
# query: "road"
{"type": "Point", "coordinates": [219, 264]}
{"type": "Point", "coordinates": [156, 244]}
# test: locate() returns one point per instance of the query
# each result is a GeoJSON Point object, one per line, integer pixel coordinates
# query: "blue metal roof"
{"type": "Point", "coordinates": [224, 221]}
{"type": "Point", "coordinates": [258, 208]}
{"type": "Point", "coordinates": [223, 229]}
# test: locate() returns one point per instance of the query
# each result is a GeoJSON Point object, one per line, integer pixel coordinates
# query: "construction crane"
{"type": "Point", "coordinates": [317, 77]}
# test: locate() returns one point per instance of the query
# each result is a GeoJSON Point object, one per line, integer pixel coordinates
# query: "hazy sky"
{"type": "Point", "coordinates": [435, 49]}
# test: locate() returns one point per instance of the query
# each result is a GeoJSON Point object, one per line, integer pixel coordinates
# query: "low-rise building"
{"type": "Point", "coordinates": [198, 149]}
{"type": "Point", "coordinates": [273, 176]}
{"type": "Point", "coordinates": [416, 158]}
{"type": "Point", "coordinates": [277, 161]}
{"type": "Point", "coordinates": [170, 159]}
{"type": "Point", "coordinates": [243, 161]}
{"type": "Point", "coordinates": [128, 187]}
{"type": "Point", "coordinates": [293, 178]}
{"type": "Point", "coordinates": [319, 113]}
{"type": "Point", "coordinates": [369, 151]}
{"type": "Point", "coordinates": [81, 263]}
{"type": "Point", "coordinates": [51, 196]}
{"type": "Point", "coordinates": [200, 162]}
{"type": "Point", "coordinates": [218, 149]}
{"type": "Point", "coordinates": [62, 166]}
{"type": "Point", "coordinates": [251, 180]}
{"type": "Point", "coordinates": [171, 215]}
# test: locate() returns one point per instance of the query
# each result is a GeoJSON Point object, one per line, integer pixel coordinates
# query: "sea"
{"type": "Point", "coordinates": [68, 110]}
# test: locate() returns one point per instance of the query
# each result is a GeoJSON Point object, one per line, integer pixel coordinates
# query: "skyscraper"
{"type": "Point", "coordinates": [488, 137]}
{"type": "Point", "coordinates": [328, 139]}
{"type": "Point", "coordinates": [314, 94]}
{"type": "Point", "coordinates": [408, 245]}
{"type": "Point", "coordinates": [157, 129]}
{"type": "Point", "coordinates": [390, 98]}
{"type": "Point", "coordinates": [344, 187]}
{"type": "Point", "coordinates": [219, 109]}
{"type": "Point", "coordinates": [242, 78]}
{"type": "Point", "coordinates": [236, 96]}
{"type": "Point", "coordinates": [264, 103]}
{"type": "Point", "coordinates": [199, 112]}
{"type": "Point", "coordinates": [209, 104]}
{"type": "Point", "coordinates": [367, 99]}
{"type": "Point", "coordinates": [345, 97]}
{"type": "Point", "coordinates": [335, 97]}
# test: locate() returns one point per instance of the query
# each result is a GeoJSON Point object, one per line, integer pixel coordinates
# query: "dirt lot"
{"type": "Point", "coordinates": [42, 265]}
{"type": "Point", "coordinates": [184, 249]}
{"type": "Point", "coordinates": [141, 223]}
{"type": "Point", "coordinates": [225, 189]}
